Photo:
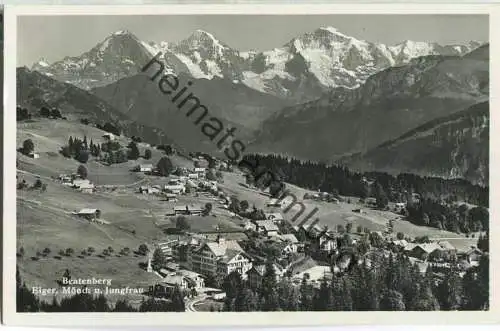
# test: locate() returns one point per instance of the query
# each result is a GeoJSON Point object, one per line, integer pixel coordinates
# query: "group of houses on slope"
{"type": "Point", "coordinates": [76, 182]}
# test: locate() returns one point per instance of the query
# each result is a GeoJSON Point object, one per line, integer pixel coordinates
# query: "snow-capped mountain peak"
{"type": "Point", "coordinates": [122, 33]}
{"type": "Point", "coordinates": [42, 63]}
{"type": "Point", "coordinates": [304, 67]}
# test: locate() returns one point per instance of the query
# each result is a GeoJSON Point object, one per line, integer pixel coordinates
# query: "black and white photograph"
{"type": "Point", "coordinates": [233, 162]}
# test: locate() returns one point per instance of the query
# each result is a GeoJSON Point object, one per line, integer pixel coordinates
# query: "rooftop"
{"type": "Point", "coordinates": [267, 225]}
{"type": "Point", "coordinates": [289, 237]}
{"type": "Point", "coordinates": [220, 248]}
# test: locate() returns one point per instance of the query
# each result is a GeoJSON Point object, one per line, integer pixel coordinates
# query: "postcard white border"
{"type": "Point", "coordinates": [11, 317]}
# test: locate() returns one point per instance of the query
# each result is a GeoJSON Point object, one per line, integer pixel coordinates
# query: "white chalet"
{"type": "Point", "coordinates": [145, 168]}
{"type": "Point", "coordinates": [109, 137]}
{"type": "Point", "coordinates": [175, 189]}
{"type": "Point", "coordinates": [219, 258]}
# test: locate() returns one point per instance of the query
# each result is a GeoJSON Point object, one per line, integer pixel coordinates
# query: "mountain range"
{"type": "Point", "coordinates": [300, 70]}
{"type": "Point", "coordinates": [389, 104]}
{"type": "Point", "coordinates": [323, 96]}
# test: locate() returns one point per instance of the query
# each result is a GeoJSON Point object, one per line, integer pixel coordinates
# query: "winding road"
{"type": "Point", "coordinates": [191, 302]}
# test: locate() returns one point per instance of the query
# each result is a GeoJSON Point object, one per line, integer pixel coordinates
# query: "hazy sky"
{"type": "Point", "coordinates": [54, 37]}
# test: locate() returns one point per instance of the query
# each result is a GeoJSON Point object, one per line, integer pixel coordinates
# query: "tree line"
{"type": "Point", "coordinates": [23, 113]}
{"type": "Point", "coordinates": [337, 178]}
{"type": "Point", "coordinates": [386, 283]}
{"type": "Point", "coordinates": [437, 204]}
{"type": "Point", "coordinates": [110, 151]}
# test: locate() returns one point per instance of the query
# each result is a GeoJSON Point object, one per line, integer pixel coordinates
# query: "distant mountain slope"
{"type": "Point", "coordinates": [389, 104]}
{"type": "Point", "coordinates": [300, 70]}
{"type": "Point", "coordinates": [35, 90]}
{"type": "Point", "coordinates": [455, 146]}
{"type": "Point", "coordinates": [235, 105]}
{"type": "Point", "coordinates": [238, 104]}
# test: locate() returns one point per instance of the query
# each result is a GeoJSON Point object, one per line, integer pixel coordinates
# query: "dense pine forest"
{"type": "Point", "coordinates": [387, 284]}
{"type": "Point", "coordinates": [441, 203]}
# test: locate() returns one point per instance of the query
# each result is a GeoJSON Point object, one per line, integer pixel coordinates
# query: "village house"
{"type": "Point", "coordinates": [274, 203]}
{"type": "Point", "coordinates": [201, 163]}
{"type": "Point", "coordinates": [275, 217]}
{"type": "Point", "coordinates": [371, 201]}
{"type": "Point", "coordinates": [181, 250]}
{"type": "Point", "coordinates": [422, 265]}
{"type": "Point", "coordinates": [200, 172]}
{"type": "Point", "coordinates": [313, 276]}
{"type": "Point", "coordinates": [205, 258]}
{"type": "Point", "coordinates": [66, 180]}
{"type": "Point", "coordinates": [146, 168]}
{"type": "Point", "coordinates": [422, 251]}
{"type": "Point", "coordinates": [76, 183]}
{"type": "Point", "coordinates": [175, 188]}
{"type": "Point", "coordinates": [249, 225]}
{"type": "Point", "coordinates": [109, 137]}
{"type": "Point", "coordinates": [291, 243]}
{"type": "Point", "coordinates": [193, 176]}
{"type": "Point", "coordinates": [170, 197]}
{"type": "Point", "coordinates": [327, 242]}
{"type": "Point", "coordinates": [34, 155]}
{"type": "Point", "coordinates": [472, 256]}
{"type": "Point", "coordinates": [257, 272]}
{"type": "Point", "coordinates": [447, 246]}
{"type": "Point", "coordinates": [400, 205]}
{"type": "Point", "coordinates": [86, 188]}
{"type": "Point", "coordinates": [184, 279]}
{"type": "Point", "coordinates": [171, 281]}
{"type": "Point", "coordinates": [267, 227]}
{"type": "Point", "coordinates": [187, 210]}
{"type": "Point", "coordinates": [149, 189]}
{"type": "Point", "coordinates": [234, 260]}
{"type": "Point", "coordinates": [398, 245]}
{"type": "Point", "coordinates": [89, 213]}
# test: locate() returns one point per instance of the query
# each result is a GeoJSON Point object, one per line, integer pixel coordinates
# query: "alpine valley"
{"type": "Point", "coordinates": [322, 96]}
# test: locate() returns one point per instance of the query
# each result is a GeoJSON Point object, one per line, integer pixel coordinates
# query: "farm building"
{"type": "Point", "coordinates": [34, 155]}
{"type": "Point", "coordinates": [193, 176]}
{"type": "Point", "coordinates": [275, 217]}
{"type": "Point", "coordinates": [371, 201]}
{"type": "Point", "coordinates": [149, 190]}
{"type": "Point", "coordinates": [314, 276]}
{"type": "Point", "coordinates": [274, 203]}
{"type": "Point", "coordinates": [472, 256]}
{"type": "Point", "coordinates": [187, 210]}
{"type": "Point", "coordinates": [86, 187]}
{"type": "Point", "coordinates": [89, 213]}
{"type": "Point", "coordinates": [292, 243]}
{"type": "Point", "coordinates": [267, 227]}
{"type": "Point", "coordinates": [109, 137]}
{"type": "Point", "coordinates": [422, 251]}
{"type": "Point", "coordinates": [171, 197]}
{"type": "Point", "coordinates": [147, 168]}
{"type": "Point", "coordinates": [175, 189]}
{"type": "Point", "coordinates": [201, 163]}
{"type": "Point", "coordinates": [200, 171]}
{"type": "Point", "coordinates": [79, 182]}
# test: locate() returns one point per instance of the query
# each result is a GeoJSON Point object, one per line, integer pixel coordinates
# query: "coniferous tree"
{"type": "Point", "coordinates": [450, 292]}
{"type": "Point", "coordinates": [392, 301]}
{"type": "Point", "coordinates": [159, 260]}
{"type": "Point", "coordinates": [178, 300]}
{"type": "Point", "coordinates": [133, 153]}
